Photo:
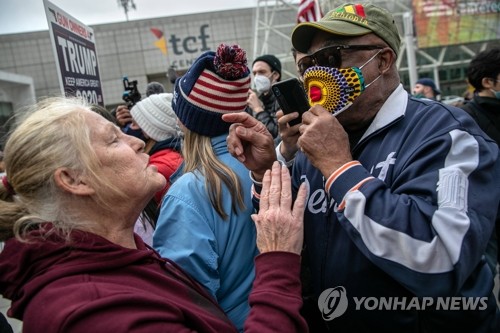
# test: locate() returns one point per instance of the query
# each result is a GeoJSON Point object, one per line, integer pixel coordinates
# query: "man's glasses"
{"type": "Point", "coordinates": [330, 56]}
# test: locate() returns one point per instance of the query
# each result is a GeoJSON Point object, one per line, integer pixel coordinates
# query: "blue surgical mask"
{"type": "Point", "coordinates": [496, 93]}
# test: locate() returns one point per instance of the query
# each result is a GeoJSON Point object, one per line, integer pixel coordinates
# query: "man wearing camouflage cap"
{"type": "Point", "coordinates": [403, 192]}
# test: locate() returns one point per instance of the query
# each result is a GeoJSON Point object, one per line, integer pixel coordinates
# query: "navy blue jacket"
{"type": "Point", "coordinates": [408, 220]}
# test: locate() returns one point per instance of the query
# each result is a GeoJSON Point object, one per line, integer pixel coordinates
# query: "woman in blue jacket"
{"type": "Point", "coordinates": [204, 223]}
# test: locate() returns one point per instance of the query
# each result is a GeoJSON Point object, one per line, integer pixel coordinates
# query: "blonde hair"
{"type": "Point", "coordinates": [199, 155]}
{"type": "Point", "coordinates": [53, 135]}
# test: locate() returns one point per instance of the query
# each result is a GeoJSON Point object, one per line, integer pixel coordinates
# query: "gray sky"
{"type": "Point", "coordinates": [29, 15]}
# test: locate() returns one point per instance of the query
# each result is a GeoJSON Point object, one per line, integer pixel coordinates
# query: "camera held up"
{"type": "Point", "coordinates": [131, 94]}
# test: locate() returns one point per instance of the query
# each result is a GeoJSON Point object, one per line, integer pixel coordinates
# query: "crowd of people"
{"type": "Point", "coordinates": [204, 210]}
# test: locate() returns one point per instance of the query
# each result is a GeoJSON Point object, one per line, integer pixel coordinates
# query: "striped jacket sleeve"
{"type": "Point", "coordinates": [428, 225]}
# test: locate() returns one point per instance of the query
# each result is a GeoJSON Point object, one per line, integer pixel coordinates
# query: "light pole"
{"type": "Point", "coordinates": [127, 5]}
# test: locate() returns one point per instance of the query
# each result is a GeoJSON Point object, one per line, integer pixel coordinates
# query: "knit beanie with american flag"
{"type": "Point", "coordinates": [216, 83]}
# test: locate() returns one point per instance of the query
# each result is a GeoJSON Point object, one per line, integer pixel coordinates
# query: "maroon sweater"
{"type": "Point", "coordinates": [93, 285]}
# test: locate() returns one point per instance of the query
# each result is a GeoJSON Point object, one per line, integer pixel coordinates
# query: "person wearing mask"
{"type": "Point", "coordinates": [426, 88]}
{"type": "Point", "coordinates": [75, 263]}
{"type": "Point", "coordinates": [262, 103]}
{"type": "Point", "coordinates": [403, 192]}
{"type": "Point", "coordinates": [205, 218]}
{"type": "Point", "coordinates": [484, 75]}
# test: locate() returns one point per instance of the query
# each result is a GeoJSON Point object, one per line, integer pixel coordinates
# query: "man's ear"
{"type": "Point", "coordinates": [72, 181]}
{"type": "Point", "coordinates": [487, 82]}
{"type": "Point", "coordinates": [276, 76]}
{"type": "Point", "coordinates": [387, 58]}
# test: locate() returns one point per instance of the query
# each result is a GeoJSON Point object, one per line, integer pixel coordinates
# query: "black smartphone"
{"type": "Point", "coordinates": [291, 98]}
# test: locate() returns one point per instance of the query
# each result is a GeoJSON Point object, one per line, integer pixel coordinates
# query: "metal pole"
{"type": "Point", "coordinates": [410, 48]}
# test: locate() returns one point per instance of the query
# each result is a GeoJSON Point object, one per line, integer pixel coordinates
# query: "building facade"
{"type": "Point", "coordinates": [141, 50]}
{"type": "Point", "coordinates": [159, 49]}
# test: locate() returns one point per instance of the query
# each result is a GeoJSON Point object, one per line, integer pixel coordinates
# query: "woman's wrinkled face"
{"type": "Point", "coordinates": [122, 159]}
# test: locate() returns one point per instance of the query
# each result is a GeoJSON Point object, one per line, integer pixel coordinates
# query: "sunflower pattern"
{"type": "Point", "coordinates": [333, 88]}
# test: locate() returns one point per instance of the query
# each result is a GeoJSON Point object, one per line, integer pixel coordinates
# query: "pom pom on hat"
{"type": "Point", "coordinates": [155, 117]}
{"type": "Point", "coordinates": [217, 83]}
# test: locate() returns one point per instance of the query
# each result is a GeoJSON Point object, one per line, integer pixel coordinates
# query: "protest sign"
{"type": "Point", "coordinates": [75, 53]}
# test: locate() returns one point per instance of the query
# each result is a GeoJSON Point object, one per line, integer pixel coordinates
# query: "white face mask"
{"type": "Point", "coordinates": [262, 84]}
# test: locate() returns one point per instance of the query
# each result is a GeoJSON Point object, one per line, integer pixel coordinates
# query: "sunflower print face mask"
{"type": "Point", "coordinates": [332, 88]}
{"type": "Point", "coordinates": [335, 89]}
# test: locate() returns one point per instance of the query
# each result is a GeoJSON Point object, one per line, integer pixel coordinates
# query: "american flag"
{"type": "Point", "coordinates": [309, 11]}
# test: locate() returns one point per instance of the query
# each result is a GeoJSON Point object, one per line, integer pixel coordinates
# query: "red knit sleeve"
{"type": "Point", "coordinates": [276, 299]}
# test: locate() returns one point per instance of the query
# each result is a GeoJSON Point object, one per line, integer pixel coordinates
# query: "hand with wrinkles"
{"type": "Point", "coordinates": [279, 226]}
{"type": "Point", "coordinates": [250, 142]}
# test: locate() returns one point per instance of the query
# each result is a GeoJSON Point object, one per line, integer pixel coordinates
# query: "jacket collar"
{"type": "Point", "coordinates": [393, 109]}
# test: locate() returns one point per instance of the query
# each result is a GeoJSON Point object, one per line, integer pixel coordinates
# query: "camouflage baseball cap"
{"type": "Point", "coordinates": [350, 20]}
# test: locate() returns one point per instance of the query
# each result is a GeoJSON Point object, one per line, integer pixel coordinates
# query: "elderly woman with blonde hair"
{"type": "Point", "coordinates": [74, 262]}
